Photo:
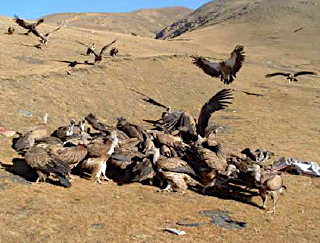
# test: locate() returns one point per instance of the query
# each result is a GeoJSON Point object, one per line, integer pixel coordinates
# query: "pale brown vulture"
{"type": "Point", "coordinates": [290, 76]}
{"type": "Point", "coordinates": [227, 69]}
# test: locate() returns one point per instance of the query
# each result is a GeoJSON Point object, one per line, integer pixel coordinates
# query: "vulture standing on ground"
{"type": "Point", "coordinates": [290, 76]}
{"type": "Point", "coordinates": [10, 30]}
{"type": "Point", "coordinates": [98, 155]}
{"type": "Point", "coordinates": [45, 165]}
{"type": "Point", "coordinates": [97, 57]}
{"type": "Point", "coordinates": [175, 172]}
{"type": "Point", "coordinates": [114, 52]}
{"type": "Point", "coordinates": [227, 69]}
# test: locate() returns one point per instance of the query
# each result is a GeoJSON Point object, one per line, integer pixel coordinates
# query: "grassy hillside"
{"type": "Point", "coordinates": [285, 120]}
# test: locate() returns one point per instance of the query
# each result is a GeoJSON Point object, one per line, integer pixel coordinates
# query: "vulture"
{"type": "Point", "coordinates": [45, 165]}
{"type": "Point", "coordinates": [227, 69]}
{"type": "Point", "coordinates": [90, 49]}
{"type": "Point", "coordinates": [290, 76]}
{"type": "Point", "coordinates": [28, 26]}
{"type": "Point", "coordinates": [11, 30]}
{"type": "Point", "coordinates": [187, 124]}
{"type": "Point", "coordinates": [32, 28]}
{"type": "Point", "coordinates": [97, 56]}
{"type": "Point", "coordinates": [27, 140]}
{"type": "Point", "coordinates": [135, 131]}
{"type": "Point", "coordinates": [114, 52]}
{"type": "Point", "coordinates": [98, 156]}
{"type": "Point", "coordinates": [176, 172]}
{"type": "Point", "coordinates": [183, 122]}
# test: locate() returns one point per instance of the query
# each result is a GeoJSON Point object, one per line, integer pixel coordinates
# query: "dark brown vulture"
{"type": "Point", "coordinates": [227, 69]}
{"type": "Point", "coordinates": [97, 57]}
{"type": "Point", "coordinates": [185, 123]}
{"type": "Point", "coordinates": [26, 25]}
{"type": "Point", "coordinates": [10, 30]}
{"type": "Point", "coordinates": [45, 165]}
{"type": "Point", "coordinates": [290, 76]}
{"type": "Point", "coordinates": [114, 52]}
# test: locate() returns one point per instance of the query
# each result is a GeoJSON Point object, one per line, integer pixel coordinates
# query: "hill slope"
{"type": "Point", "coordinates": [269, 13]}
{"type": "Point", "coordinates": [145, 22]}
{"type": "Point", "coordinates": [285, 120]}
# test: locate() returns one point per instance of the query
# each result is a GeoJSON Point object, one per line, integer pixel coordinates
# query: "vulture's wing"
{"type": "Point", "coordinates": [149, 99]}
{"type": "Point", "coordinates": [56, 29]}
{"type": "Point", "coordinates": [210, 68]}
{"type": "Point", "coordinates": [304, 73]}
{"type": "Point", "coordinates": [106, 46]}
{"type": "Point", "coordinates": [269, 75]}
{"type": "Point", "coordinates": [236, 59]}
{"type": "Point", "coordinates": [40, 21]}
{"type": "Point", "coordinates": [217, 102]}
{"type": "Point", "coordinates": [22, 23]}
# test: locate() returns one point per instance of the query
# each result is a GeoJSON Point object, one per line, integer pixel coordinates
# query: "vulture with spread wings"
{"type": "Point", "coordinates": [290, 76]}
{"type": "Point", "coordinates": [97, 56]}
{"type": "Point", "coordinates": [185, 123]}
{"type": "Point", "coordinates": [227, 69]}
{"type": "Point", "coordinates": [26, 25]}
{"type": "Point", "coordinates": [32, 28]}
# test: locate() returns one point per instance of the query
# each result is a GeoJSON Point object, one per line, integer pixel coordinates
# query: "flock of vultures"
{"type": "Point", "coordinates": [178, 153]}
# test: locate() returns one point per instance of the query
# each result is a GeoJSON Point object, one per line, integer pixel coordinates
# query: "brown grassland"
{"type": "Point", "coordinates": [285, 120]}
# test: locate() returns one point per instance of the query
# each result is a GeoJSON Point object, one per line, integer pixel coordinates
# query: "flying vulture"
{"type": "Point", "coordinates": [290, 76]}
{"type": "Point", "coordinates": [227, 69]}
{"type": "Point", "coordinates": [26, 25]}
{"type": "Point", "coordinates": [97, 57]}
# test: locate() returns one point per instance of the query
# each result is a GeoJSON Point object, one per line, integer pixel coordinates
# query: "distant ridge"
{"type": "Point", "coordinates": [144, 22]}
{"type": "Point", "coordinates": [253, 11]}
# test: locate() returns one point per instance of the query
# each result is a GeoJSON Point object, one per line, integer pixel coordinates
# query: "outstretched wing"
{"type": "Point", "coordinates": [40, 21]}
{"type": "Point", "coordinates": [217, 102]}
{"type": "Point", "coordinates": [106, 46]}
{"type": "Point", "coordinates": [211, 68]}
{"type": "Point", "coordinates": [149, 99]}
{"type": "Point", "coordinates": [304, 73]}
{"type": "Point", "coordinates": [269, 75]}
{"type": "Point", "coordinates": [22, 23]}
{"type": "Point", "coordinates": [236, 59]}
{"type": "Point", "coordinates": [56, 29]}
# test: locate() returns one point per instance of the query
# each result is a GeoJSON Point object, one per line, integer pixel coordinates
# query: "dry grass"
{"type": "Point", "coordinates": [285, 120]}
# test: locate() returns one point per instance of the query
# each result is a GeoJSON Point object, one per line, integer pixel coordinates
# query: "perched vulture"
{"type": "Point", "coordinates": [227, 69]}
{"type": "Point", "coordinates": [45, 165]}
{"type": "Point", "coordinates": [290, 76]}
{"type": "Point", "coordinates": [176, 172]}
{"type": "Point", "coordinates": [114, 51]}
{"type": "Point", "coordinates": [100, 154]}
{"type": "Point", "coordinates": [10, 30]}
{"type": "Point", "coordinates": [97, 56]}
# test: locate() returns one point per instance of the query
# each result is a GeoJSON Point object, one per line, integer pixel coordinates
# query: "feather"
{"type": "Point", "coordinates": [210, 68]}
{"type": "Point", "coordinates": [217, 102]}
{"type": "Point", "coordinates": [304, 73]}
{"type": "Point", "coordinates": [269, 75]}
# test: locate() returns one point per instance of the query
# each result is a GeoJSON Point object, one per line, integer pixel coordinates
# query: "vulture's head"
{"type": "Point", "coordinates": [121, 122]}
